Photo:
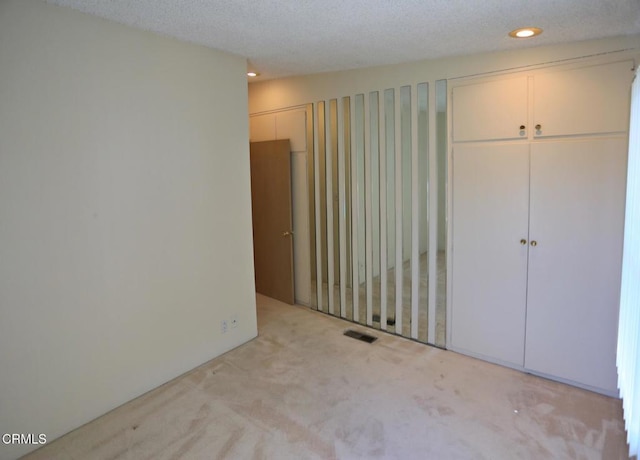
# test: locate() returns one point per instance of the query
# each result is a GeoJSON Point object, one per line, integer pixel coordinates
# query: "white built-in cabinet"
{"type": "Point", "coordinates": [539, 169]}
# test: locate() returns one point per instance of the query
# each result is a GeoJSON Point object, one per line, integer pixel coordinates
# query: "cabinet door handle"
{"type": "Point", "coordinates": [523, 242]}
{"type": "Point", "coordinates": [522, 127]}
{"type": "Point", "coordinates": [538, 127]}
{"type": "Point", "coordinates": [534, 243]}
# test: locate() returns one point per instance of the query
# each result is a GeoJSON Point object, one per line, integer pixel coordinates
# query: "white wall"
{"type": "Point", "coordinates": [125, 218]}
{"type": "Point", "coordinates": [288, 92]}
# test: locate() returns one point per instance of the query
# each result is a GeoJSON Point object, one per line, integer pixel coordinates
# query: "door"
{"type": "Point", "coordinates": [494, 110]}
{"type": "Point", "coordinates": [577, 218]}
{"type": "Point", "coordinates": [272, 221]}
{"type": "Point", "coordinates": [587, 100]}
{"type": "Point", "coordinates": [490, 221]}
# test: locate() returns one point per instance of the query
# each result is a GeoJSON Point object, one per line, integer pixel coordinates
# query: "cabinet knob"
{"type": "Point", "coordinates": [523, 241]}
{"type": "Point", "coordinates": [538, 127]}
{"type": "Point", "coordinates": [522, 127]}
{"type": "Point", "coordinates": [534, 243]}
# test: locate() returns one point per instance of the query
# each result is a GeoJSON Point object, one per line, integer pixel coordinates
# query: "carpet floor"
{"type": "Point", "coordinates": [302, 390]}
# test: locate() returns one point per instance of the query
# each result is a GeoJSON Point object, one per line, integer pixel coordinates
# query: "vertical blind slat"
{"type": "Point", "coordinates": [628, 353]}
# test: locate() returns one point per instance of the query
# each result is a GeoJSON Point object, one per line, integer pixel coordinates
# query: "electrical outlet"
{"type": "Point", "coordinates": [234, 321]}
{"type": "Point", "coordinates": [224, 326]}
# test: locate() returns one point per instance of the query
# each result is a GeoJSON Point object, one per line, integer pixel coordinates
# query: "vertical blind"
{"type": "Point", "coordinates": [628, 358]}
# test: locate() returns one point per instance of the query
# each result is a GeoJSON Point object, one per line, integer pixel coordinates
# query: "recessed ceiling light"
{"type": "Point", "coordinates": [525, 32]}
{"type": "Point", "coordinates": [252, 74]}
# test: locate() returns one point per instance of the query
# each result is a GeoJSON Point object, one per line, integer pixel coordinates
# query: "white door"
{"type": "Point", "coordinates": [490, 110]}
{"type": "Point", "coordinates": [490, 218]}
{"type": "Point", "coordinates": [582, 101]}
{"type": "Point", "coordinates": [576, 214]}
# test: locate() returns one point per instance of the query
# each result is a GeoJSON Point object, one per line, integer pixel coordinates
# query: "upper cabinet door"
{"type": "Point", "coordinates": [588, 100]}
{"type": "Point", "coordinates": [494, 110]}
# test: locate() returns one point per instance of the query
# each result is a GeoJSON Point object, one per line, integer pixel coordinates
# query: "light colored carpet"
{"type": "Point", "coordinates": [302, 390]}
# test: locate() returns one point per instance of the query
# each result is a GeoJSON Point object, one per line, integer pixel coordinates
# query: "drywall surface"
{"type": "Point", "coordinates": [288, 92]}
{"type": "Point", "coordinates": [125, 218]}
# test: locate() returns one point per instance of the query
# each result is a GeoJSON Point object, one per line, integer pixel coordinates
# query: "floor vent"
{"type": "Point", "coordinates": [360, 336]}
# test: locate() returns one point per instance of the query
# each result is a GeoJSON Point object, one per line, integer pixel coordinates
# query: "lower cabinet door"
{"type": "Point", "coordinates": [576, 224]}
{"type": "Point", "coordinates": [490, 219]}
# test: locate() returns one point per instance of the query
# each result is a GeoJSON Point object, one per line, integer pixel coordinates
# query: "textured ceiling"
{"type": "Point", "coordinates": [294, 37]}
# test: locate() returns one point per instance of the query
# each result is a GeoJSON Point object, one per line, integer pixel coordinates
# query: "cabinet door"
{"type": "Point", "coordinates": [583, 101]}
{"type": "Point", "coordinates": [490, 217]}
{"type": "Point", "coordinates": [577, 213]}
{"type": "Point", "coordinates": [492, 110]}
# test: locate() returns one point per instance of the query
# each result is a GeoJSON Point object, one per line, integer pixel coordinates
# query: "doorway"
{"type": "Point", "coordinates": [294, 124]}
{"type": "Point", "coordinates": [272, 222]}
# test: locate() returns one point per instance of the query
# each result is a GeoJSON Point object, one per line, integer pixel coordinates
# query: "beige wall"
{"type": "Point", "coordinates": [125, 219]}
{"type": "Point", "coordinates": [288, 92]}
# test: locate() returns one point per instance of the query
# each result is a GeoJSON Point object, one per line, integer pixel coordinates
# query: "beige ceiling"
{"type": "Point", "coordinates": [293, 37]}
